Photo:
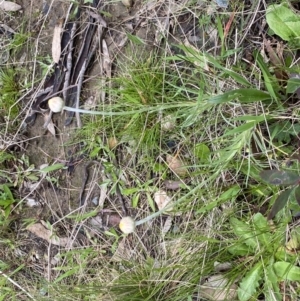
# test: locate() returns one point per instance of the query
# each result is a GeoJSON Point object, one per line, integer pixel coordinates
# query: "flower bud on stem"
{"type": "Point", "coordinates": [127, 224]}
{"type": "Point", "coordinates": [57, 104]}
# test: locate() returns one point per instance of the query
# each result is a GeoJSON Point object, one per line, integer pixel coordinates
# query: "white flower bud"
{"type": "Point", "coordinates": [127, 225]}
{"type": "Point", "coordinates": [56, 104]}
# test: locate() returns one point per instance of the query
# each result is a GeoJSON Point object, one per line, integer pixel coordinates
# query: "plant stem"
{"type": "Point", "coordinates": [144, 109]}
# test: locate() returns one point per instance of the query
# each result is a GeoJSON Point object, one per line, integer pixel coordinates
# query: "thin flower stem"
{"type": "Point", "coordinates": [123, 113]}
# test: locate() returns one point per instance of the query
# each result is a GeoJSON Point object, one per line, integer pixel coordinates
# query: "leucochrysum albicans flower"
{"type": "Point", "coordinates": [127, 225]}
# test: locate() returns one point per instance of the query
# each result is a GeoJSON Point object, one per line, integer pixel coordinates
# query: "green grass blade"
{"type": "Point", "coordinates": [242, 95]}
{"type": "Point", "coordinates": [269, 79]}
{"type": "Point", "coordinates": [52, 167]}
{"type": "Point", "coordinates": [242, 128]}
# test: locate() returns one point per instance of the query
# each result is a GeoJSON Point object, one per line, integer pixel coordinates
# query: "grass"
{"type": "Point", "coordinates": [10, 92]}
{"type": "Point", "coordinates": [198, 104]}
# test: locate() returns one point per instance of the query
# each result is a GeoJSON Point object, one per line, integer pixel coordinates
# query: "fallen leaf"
{"type": "Point", "coordinates": [167, 123]}
{"type": "Point", "coordinates": [222, 267]}
{"type": "Point", "coordinates": [173, 185]}
{"type": "Point", "coordinates": [31, 202]}
{"type": "Point", "coordinates": [55, 260]}
{"type": "Point", "coordinates": [6, 29]}
{"type": "Point", "coordinates": [277, 61]}
{"type": "Point", "coordinates": [51, 128]}
{"type": "Point", "coordinates": [112, 142]}
{"type": "Point", "coordinates": [162, 200]}
{"type": "Point", "coordinates": [167, 225]}
{"type": "Point", "coordinates": [31, 186]}
{"type": "Point", "coordinates": [56, 41]}
{"type": "Point", "coordinates": [42, 166]}
{"type": "Point", "coordinates": [103, 195]}
{"type": "Point", "coordinates": [106, 219]}
{"type": "Point", "coordinates": [176, 165]}
{"type": "Point", "coordinates": [96, 222]}
{"type": "Point", "coordinates": [216, 289]}
{"type": "Point", "coordinates": [124, 251]}
{"type": "Point", "coordinates": [106, 59]}
{"type": "Point", "coordinates": [9, 6]}
{"type": "Point", "coordinates": [294, 241]}
{"type": "Point", "coordinates": [98, 17]}
{"type": "Point", "coordinates": [95, 200]}
{"type": "Point", "coordinates": [39, 230]}
{"type": "Point", "coordinates": [90, 103]}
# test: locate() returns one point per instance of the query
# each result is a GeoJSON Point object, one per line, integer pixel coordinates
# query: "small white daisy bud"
{"type": "Point", "coordinates": [56, 104]}
{"type": "Point", "coordinates": [127, 225]}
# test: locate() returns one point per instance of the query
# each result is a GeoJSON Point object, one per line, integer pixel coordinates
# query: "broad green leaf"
{"type": "Point", "coordinates": [250, 283]}
{"type": "Point", "coordinates": [280, 202]}
{"type": "Point", "coordinates": [283, 21]}
{"type": "Point", "coordinates": [287, 271]}
{"type": "Point", "coordinates": [242, 95]}
{"type": "Point", "coordinates": [244, 231]}
{"type": "Point", "coordinates": [271, 289]}
{"type": "Point", "coordinates": [230, 193]}
{"type": "Point", "coordinates": [32, 178]}
{"type": "Point", "coordinates": [240, 250]}
{"type": "Point", "coordinates": [94, 153]}
{"type": "Point", "coordinates": [202, 152]}
{"type": "Point", "coordinates": [53, 167]}
{"type": "Point", "coordinates": [5, 156]}
{"type": "Point", "coordinates": [6, 203]}
{"type": "Point", "coordinates": [280, 177]}
{"type": "Point", "coordinates": [292, 85]}
{"type": "Point", "coordinates": [262, 230]}
{"type": "Point", "coordinates": [7, 192]}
